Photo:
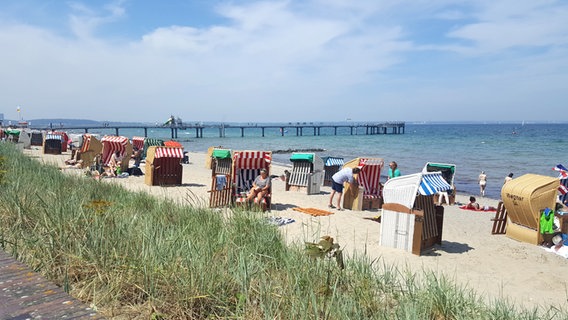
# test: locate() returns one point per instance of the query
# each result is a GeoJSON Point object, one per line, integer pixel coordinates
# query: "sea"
{"type": "Point", "coordinates": [496, 148]}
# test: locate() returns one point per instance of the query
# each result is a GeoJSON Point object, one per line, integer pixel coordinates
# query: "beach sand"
{"type": "Point", "coordinates": [494, 266]}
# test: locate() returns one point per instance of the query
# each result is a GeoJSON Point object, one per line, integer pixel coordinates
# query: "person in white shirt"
{"type": "Point", "coordinates": [337, 181]}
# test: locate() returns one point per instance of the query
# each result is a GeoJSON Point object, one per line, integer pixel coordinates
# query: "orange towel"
{"type": "Point", "coordinates": [313, 211]}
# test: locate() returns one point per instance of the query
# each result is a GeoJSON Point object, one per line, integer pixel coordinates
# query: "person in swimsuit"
{"type": "Point", "coordinates": [482, 183]}
{"type": "Point", "coordinates": [473, 205]}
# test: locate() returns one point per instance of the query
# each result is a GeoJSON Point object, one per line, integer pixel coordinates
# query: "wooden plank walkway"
{"type": "Point", "coordinates": [25, 294]}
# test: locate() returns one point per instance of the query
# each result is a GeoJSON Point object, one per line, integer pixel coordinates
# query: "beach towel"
{"type": "Point", "coordinates": [547, 221]}
{"type": "Point", "coordinates": [562, 251]}
{"type": "Point", "coordinates": [465, 207]}
{"type": "Point", "coordinates": [279, 221]}
{"type": "Point", "coordinates": [221, 181]}
{"type": "Point", "coordinates": [313, 211]}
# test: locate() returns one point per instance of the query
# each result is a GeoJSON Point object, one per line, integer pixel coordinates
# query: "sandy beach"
{"type": "Point", "coordinates": [494, 266]}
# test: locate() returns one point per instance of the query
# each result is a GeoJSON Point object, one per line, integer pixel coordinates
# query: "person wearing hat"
{"type": "Point", "coordinates": [260, 186]}
{"type": "Point", "coordinates": [560, 240]}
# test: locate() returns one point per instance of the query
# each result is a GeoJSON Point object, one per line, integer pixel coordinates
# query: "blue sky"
{"type": "Point", "coordinates": [273, 61]}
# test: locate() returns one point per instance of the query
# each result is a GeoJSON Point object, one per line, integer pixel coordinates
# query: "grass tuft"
{"type": "Point", "coordinates": [133, 255]}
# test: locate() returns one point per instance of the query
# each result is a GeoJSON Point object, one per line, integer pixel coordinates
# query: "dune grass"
{"type": "Point", "coordinates": [132, 255]}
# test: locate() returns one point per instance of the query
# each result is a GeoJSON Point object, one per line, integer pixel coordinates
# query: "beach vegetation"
{"type": "Point", "coordinates": [134, 255]}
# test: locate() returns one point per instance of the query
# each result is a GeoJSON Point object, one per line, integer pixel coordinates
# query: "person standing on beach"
{"type": "Point", "coordinates": [393, 170]}
{"type": "Point", "coordinates": [482, 183]}
{"type": "Point", "coordinates": [337, 181]}
{"type": "Point", "coordinates": [508, 178]}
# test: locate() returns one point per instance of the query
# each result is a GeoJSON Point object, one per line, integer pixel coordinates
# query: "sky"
{"type": "Point", "coordinates": [281, 61]}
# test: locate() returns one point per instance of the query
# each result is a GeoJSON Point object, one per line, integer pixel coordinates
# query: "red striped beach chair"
{"type": "Point", "coordinates": [246, 167]}
{"type": "Point", "coordinates": [111, 144]}
{"type": "Point", "coordinates": [138, 142]}
{"type": "Point", "coordinates": [163, 166]}
{"type": "Point", "coordinates": [370, 180]}
{"type": "Point", "coordinates": [64, 140]}
{"type": "Point", "coordinates": [90, 147]}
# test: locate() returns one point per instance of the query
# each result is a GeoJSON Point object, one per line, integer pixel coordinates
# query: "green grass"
{"type": "Point", "coordinates": [130, 254]}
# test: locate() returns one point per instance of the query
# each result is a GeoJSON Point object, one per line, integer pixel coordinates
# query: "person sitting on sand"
{"type": "Point", "coordinates": [260, 187]}
{"type": "Point", "coordinates": [115, 162]}
{"type": "Point", "coordinates": [137, 157]}
{"type": "Point", "coordinates": [473, 205]}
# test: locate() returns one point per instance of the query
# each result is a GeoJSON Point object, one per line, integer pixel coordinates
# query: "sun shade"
{"type": "Point", "coordinates": [302, 157]}
{"type": "Point", "coordinates": [221, 154]}
{"type": "Point", "coordinates": [332, 161]}
{"type": "Point", "coordinates": [437, 166]}
{"type": "Point", "coordinates": [172, 143]}
{"type": "Point", "coordinates": [53, 137]}
{"type": "Point", "coordinates": [168, 152]}
{"type": "Point", "coordinates": [432, 183]}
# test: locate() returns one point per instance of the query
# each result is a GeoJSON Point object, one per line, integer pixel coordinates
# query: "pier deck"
{"type": "Point", "coordinates": [297, 129]}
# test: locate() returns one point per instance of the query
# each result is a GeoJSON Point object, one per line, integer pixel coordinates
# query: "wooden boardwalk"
{"type": "Point", "coordinates": [25, 294]}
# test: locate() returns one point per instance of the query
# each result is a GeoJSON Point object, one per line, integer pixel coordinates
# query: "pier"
{"type": "Point", "coordinates": [297, 129]}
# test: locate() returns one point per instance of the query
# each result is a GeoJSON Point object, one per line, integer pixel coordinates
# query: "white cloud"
{"type": "Point", "coordinates": [502, 25]}
{"type": "Point", "coordinates": [290, 60]}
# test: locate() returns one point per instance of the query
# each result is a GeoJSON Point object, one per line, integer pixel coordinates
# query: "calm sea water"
{"type": "Point", "coordinates": [498, 149]}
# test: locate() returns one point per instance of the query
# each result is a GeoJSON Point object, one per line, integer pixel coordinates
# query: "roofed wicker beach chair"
{"type": "Point", "coordinates": [410, 220]}
{"type": "Point", "coordinates": [526, 199]}
{"type": "Point", "coordinates": [112, 144]}
{"type": "Point", "coordinates": [369, 180]}
{"type": "Point", "coordinates": [163, 166]}
{"type": "Point", "coordinates": [331, 165]}
{"type": "Point", "coordinates": [90, 147]}
{"type": "Point", "coordinates": [307, 173]}
{"type": "Point", "coordinates": [52, 143]}
{"type": "Point", "coordinates": [221, 163]}
{"type": "Point", "coordinates": [246, 167]}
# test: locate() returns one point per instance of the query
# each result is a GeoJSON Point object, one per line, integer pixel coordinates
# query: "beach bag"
{"type": "Point", "coordinates": [134, 171]}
